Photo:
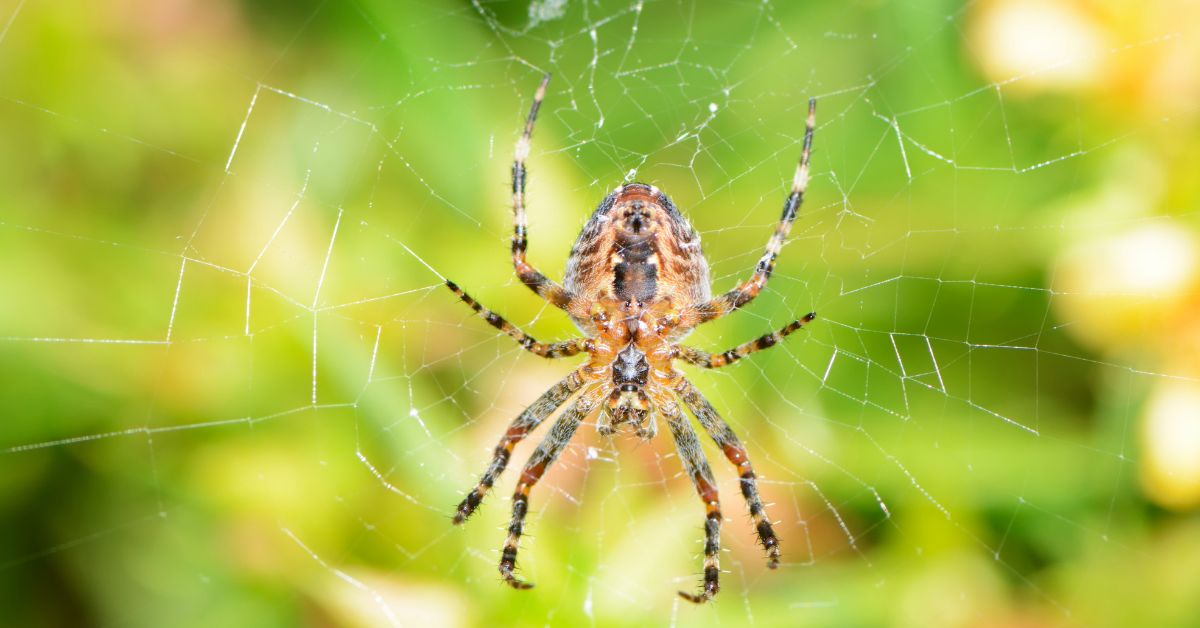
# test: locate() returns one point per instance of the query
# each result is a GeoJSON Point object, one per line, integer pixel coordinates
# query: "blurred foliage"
{"type": "Point", "coordinates": [234, 392]}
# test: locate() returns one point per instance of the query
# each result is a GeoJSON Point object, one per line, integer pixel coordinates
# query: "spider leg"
{"type": "Point", "coordinates": [543, 286]}
{"type": "Point", "coordinates": [559, 349]}
{"type": "Point", "coordinates": [549, 449]}
{"type": "Point", "coordinates": [698, 470]}
{"type": "Point", "coordinates": [747, 290]}
{"type": "Point", "coordinates": [525, 423]}
{"type": "Point", "coordinates": [724, 437]}
{"type": "Point", "coordinates": [716, 360]}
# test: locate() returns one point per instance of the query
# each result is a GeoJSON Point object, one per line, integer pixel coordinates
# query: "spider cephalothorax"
{"type": "Point", "coordinates": [636, 284]}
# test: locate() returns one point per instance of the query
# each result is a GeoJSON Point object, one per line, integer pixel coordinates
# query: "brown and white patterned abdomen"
{"type": "Point", "coordinates": [637, 246]}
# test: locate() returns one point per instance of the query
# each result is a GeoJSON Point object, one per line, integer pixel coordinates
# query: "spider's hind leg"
{"type": "Point", "coordinates": [542, 285]}
{"type": "Point", "coordinates": [745, 292]}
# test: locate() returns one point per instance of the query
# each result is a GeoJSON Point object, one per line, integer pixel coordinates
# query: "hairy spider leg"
{"type": "Point", "coordinates": [724, 437]}
{"type": "Point", "coordinates": [543, 286]}
{"type": "Point", "coordinates": [551, 446]}
{"type": "Point", "coordinates": [747, 290]}
{"type": "Point", "coordinates": [717, 360]}
{"type": "Point", "coordinates": [701, 474]}
{"type": "Point", "coordinates": [525, 423]}
{"type": "Point", "coordinates": [561, 349]}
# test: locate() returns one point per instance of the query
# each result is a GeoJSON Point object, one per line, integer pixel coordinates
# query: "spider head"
{"type": "Point", "coordinates": [630, 369]}
{"type": "Point", "coordinates": [627, 403]}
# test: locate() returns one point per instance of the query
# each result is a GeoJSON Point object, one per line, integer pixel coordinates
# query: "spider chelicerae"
{"type": "Point", "coordinates": [636, 284]}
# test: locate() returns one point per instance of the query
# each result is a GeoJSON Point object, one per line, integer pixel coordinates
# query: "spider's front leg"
{"type": "Point", "coordinates": [747, 290]}
{"type": "Point", "coordinates": [525, 423]}
{"type": "Point", "coordinates": [549, 449]}
{"type": "Point", "coordinates": [724, 437]}
{"type": "Point", "coordinates": [698, 470]}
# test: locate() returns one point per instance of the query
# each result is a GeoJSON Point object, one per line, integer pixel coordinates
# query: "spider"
{"type": "Point", "coordinates": [636, 283]}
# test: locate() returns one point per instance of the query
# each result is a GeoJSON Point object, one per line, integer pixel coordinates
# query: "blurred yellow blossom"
{"type": "Point", "coordinates": [1139, 54]}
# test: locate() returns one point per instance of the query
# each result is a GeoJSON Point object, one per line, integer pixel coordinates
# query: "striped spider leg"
{"type": "Point", "coordinates": [723, 435]}
{"type": "Point", "coordinates": [746, 291]}
{"type": "Point", "coordinates": [725, 358]}
{"type": "Point", "coordinates": [561, 349]}
{"type": "Point", "coordinates": [547, 451]}
{"type": "Point", "coordinates": [541, 285]}
{"type": "Point", "coordinates": [696, 467]}
{"type": "Point", "coordinates": [525, 423]}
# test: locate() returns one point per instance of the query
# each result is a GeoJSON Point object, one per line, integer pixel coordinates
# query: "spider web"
{"type": "Point", "coordinates": [240, 394]}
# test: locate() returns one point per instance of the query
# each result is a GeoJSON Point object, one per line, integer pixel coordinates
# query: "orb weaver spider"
{"type": "Point", "coordinates": [636, 283]}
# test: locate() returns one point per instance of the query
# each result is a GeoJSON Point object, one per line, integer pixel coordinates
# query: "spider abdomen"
{"type": "Point", "coordinates": [637, 247]}
{"type": "Point", "coordinates": [635, 269]}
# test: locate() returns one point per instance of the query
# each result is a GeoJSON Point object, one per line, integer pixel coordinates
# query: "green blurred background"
{"type": "Point", "coordinates": [234, 393]}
